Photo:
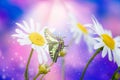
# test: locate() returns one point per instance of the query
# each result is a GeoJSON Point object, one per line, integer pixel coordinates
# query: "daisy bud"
{"type": "Point", "coordinates": [44, 69]}
{"type": "Point", "coordinates": [62, 53]}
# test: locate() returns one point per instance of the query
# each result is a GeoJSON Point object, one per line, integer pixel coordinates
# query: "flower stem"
{"type": "Point", "coordinates": [26, 75]}
{"type": "Point", "coordinates": [63, 69]}
{"type": "Point", "coordinates": [36, 76]}
{"type": "Point", "coordinates": [113, 77]}
{"type": "Point", "coordinates": [42, 77]}
{"type": "Point", "coordinates": [90, 60]}
{"type": "Point", "coordinates": [51, 64]}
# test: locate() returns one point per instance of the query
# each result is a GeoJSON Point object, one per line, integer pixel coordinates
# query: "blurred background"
{"type": "Point", "coordinates": [13, 57]}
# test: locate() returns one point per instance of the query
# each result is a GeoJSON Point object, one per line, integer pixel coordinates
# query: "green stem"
{"type": "Point", "coordinates": [90, 60]}
{"type": "Point", "coordinates": [113, 77]}
{"type": "Point", "coordinates": [36, 76]}
{"type": "Point", "coordinates": [26, 75]}
{"type": "Point", "coordinates": [63, 69]}
{"type": "Point", "coordinates": [51, 64]}
{"type": "Point", "coordinates": [42, 77]}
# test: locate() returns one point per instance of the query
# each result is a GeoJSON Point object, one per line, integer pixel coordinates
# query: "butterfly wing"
{"type": "Point", "coordinates": [59, 48]}
{"type": "Point", "coordinates": [56, 44]}
{"type": "Point", "coordinates": [53, 51]}
{"type": "Point", "coordinates": [53, 44]}
{"type": "Point", "coordinates": [51, 38]}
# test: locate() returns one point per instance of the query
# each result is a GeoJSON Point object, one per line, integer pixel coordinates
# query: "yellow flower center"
{"type": "Point", "coordinates": [37, 39]}
{"type": "Point", "coordinates": [108, 40]}
{"type": "Point", "coordinates": [82, 28]}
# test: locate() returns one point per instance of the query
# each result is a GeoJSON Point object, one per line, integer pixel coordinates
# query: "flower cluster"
{"type": "Point", "coordinates": [104, 38]}
{"type": "Point", "coordinates": [43, 41]}
{"type": "Point", "coordinates": [98, 38]}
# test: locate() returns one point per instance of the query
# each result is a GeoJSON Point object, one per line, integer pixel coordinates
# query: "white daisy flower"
{"type": "Point", "coordinates": [110, 45]}
{"type": "Point", "coordinates": [80, 30]}
{"type": "Point", "coordinates": [32, 34]}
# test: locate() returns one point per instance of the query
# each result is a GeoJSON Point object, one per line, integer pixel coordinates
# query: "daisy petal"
{"type": "Point", "coordinates": [38, 26]}
{"type": "Point", "coordinates": [27, 27]}
{"type": "Point", "coordinates": [46, 48]}
{"type": "Point", "coordinates": [73, 28]}
{"type": "Point", "coordinates": [98, 39]}
{"type": "Point", "coordinates": [104, 52]}
{"type": "Point", "coordinates": [19, 32]}
{"type": "Point", "coordinates": [44, 55]}
{"type": "Point", "coordinates": [78, 39]}
{"type": "Point", "coordinates": [89, 41]}
{"type": "Point", "coordinates": [117, 39]}
{"type": "Point", "coordinates": [22, 27]}
{"type": "Point", "coordinates": [88, 25]}
{"type": "Point", "coordinates": [32, 25]}
{"type": "Point", "coordinates": [19, 36]}
{"type": "Point", "coordinates": [98, 45]}
{"type": "Point", "coordinates": [75, 34]}
{"type": "Point", "coordinates": [108, 32]}
{"type": "Point", "coordinates": [24, 41]}
{"type": "Point", "coordinates": [33, 46]}
{"type": "Point", "coordinates": [117, 56]}
{"type": "Point", "coordinates": [98, 27]}
{"type": "Point", "coordinates": [109, 55]}
{"type": "Point", "coordinates": [40, 58]}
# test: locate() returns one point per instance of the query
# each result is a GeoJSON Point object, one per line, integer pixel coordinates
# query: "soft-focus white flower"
{"type": "Point", "coordinates": [32, 34]}
{"type": "Point", "coordinates": [80, 30]}
{"type": "Point", "coordinates": [110, 45]}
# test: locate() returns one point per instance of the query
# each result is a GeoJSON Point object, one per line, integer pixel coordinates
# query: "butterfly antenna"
{"type": "Point", "coordinates": [66, 45]}
{"type": "Point", "coordinates": [64, 37]}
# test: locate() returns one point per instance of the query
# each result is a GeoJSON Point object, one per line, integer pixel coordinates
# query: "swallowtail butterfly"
{"type": "Point", "coordinates": [55, 43]}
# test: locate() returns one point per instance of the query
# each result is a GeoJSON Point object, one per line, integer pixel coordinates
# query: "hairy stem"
{"type": "Point", "coordinates": [26, 74]}
{"type": "Point", "coordinates": [63, 69]}
{"type": "Point", "coordinates": [38, 74]}
{"type": "Point", "coordinates": [90, 60]}
{"type": "Point", "coordinates": [42, 77]}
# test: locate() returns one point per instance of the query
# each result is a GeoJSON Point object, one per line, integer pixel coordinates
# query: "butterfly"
{"type": "Point", "coordinates": [55, 44]}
